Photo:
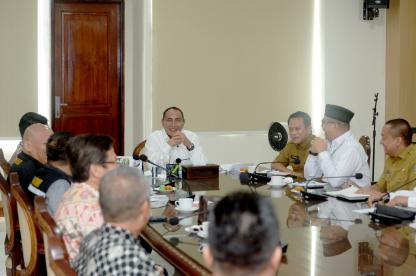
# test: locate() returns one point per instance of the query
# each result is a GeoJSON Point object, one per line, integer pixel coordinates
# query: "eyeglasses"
{"type": "Point", "coordinates": [327, 122]}
{"type": "Point", "coordinates": [110, 162]}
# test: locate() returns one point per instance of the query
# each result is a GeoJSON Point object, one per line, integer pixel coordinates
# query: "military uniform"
{"type": "Point", "coordinates": [45, 177]}
{"type": "Point", "coordinates": [26, 167]}
{"type": "Point", "coordinates": [399, 170]}
{"type": "Point", "coordinates": [295, 155]}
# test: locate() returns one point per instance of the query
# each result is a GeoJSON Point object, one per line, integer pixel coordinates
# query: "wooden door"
{"type": "Point", "coordinates": [87, 63]}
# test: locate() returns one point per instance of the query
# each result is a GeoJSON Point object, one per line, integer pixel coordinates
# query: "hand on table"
{"type": "Point", "coordinates": [398, 200]}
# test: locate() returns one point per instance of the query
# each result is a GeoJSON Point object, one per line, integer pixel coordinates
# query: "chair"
{"type": "Point", "coordinates": [47, 227]}
{"type": "Point", "coordinates": [139, 148]}
{"type": "Point", "coordinates": [4, 164]}
{"type": "Point", "coordinates": [365, 142]}
{"type": "Point", "coordinates": [12, 245]}
{"type": "Point", "coordinates": [58, 257]}
{"type": "Point", "coordinates": [32, 247]}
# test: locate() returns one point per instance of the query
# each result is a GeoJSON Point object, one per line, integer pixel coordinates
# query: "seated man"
{"type": "Point", "coordinates": [25, 121]}
{"type": "Point", "coordinates": [78, 213]}
{"type": "Point", "coordinates": [296, 151]}
{"type": "Point", "coordinates": [243, 237]}
{"type": "Point", "coordinates": [172, 142]}
{"type": "Point", "coordinates": [341, 155]}
{"type": "Point", "coordinates": [114, 248]}
{"type": "Point", "coordinates": [52, 180]}
{"type": "Point", "coordinates": [33, 155]}
{"type": "Point", "coordinates": [400, 166]}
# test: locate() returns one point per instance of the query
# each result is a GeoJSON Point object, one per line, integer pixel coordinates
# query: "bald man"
{"type": "Point", "coordinates": [33, 155]}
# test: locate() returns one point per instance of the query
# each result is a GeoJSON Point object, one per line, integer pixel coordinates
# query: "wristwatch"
{"type": "Point", "coordinates": [313, 153]}
{"type": "Point", "coordinates": [191, 147]}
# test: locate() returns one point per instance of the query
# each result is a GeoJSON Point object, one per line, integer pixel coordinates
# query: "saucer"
{"type": "Point", "coordinates": [193, 229]}
{"type": "Point", "coordinates": [281, 185]}
{"type": "Point", "coordinates": [193, 209]}
{"type": "Point", "coordinates": [203, 235]}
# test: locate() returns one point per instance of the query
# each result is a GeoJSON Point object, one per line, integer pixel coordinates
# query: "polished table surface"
{"type": "Point", "coordinates": [324, 238]}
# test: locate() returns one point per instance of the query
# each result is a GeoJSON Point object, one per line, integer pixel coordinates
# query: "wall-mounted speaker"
{"type": "Point", "coordinates": [381, 4]}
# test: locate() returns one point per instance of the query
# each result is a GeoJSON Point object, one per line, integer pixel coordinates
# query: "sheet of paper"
{"type": "Point", "coordinates": [349, 192]}
{"type": "Point", "coordinates": [311, 184]}
{"type": "Point", "coordinates": [365, 210]}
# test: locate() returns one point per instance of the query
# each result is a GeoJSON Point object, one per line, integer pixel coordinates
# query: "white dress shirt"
{"type": "Point", "coordinates": [344, 156]}
{"type": "Point", "coordinates": [159, 151]}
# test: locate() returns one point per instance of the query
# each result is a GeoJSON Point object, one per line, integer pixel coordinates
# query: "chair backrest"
{"type": "Point", "coordinates": [139, 148]}
{"type": "Point", "coordinates": [4, 164]}
{"type": "Point", "coordinates": [365, 142]}
{"type": "Point", "coordinates": [10, 213]}
{"type": "Point", "coordinates": [28, 231]}
{"type": "Point", "coordinates": [58, 257]}
{"type": "Point", "coordinates": [47, 226]}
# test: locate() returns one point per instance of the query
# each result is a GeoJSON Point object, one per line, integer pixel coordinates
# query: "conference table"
{"type": "Point", "coordinates": [323, 237]}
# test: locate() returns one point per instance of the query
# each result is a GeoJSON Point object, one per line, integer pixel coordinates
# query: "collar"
{"type": "Point", "coordinates": [340, 139]}
{"type": "Point", "coordinates": [405, 152]}
{"type": "Point", "coordinates": [165, 135]}
{"type": "Point", "coordinates": [115, 230]}
{"type": "Point", "coordinates": [89, 188]}
{"type": "Point", "coordinates": [306, 143]}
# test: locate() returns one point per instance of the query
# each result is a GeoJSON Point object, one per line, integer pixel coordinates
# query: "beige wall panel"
{"type": "Point", "coordinates": [18, 66]}
{"type": "Point", "coordinates": [231, 65]}
{"type": "Point", "coordinates": [401, 60]}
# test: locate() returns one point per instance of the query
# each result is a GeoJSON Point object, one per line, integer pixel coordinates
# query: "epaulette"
{"type": "Point", "coordinates": [18, 161]}
{"type": "Point", "coordinates": [36, 181]}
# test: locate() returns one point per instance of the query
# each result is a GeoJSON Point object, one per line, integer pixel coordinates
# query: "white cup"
{"type": "Point", "coordinates": [277, 180]}
{"type": "Point", "coordinates": [184, 203]}
{"type": "Point", "coordinates": [186, 221]}
{"type": "Point", "coordinates": [277, 193]}
{"type": "Point", "coordinates": [251, 169]}
{"type": "Point", "coordinates": [204, 227]}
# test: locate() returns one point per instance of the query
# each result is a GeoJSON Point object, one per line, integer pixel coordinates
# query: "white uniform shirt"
{"type": "Point", "coordinates": [344, 156]}
{"type": "Point", "coordinates": [159, 151]}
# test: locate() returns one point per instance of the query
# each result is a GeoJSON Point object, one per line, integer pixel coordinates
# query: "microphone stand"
{"type": "Point", "coordinates": [375, 114]}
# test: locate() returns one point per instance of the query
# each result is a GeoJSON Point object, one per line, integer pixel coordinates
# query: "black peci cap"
{"type": "Point", "coordinates": [29, 119]}
{"type": "Point", "coordinates": [338, 113]}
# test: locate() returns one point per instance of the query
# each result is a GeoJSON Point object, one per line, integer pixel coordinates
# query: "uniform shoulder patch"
{"type": "Point", "coordinates": [36, 181]}
{"type": "Point", "coordinates": [18, 161]}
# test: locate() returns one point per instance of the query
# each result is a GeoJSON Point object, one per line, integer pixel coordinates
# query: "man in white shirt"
{"type": "Point", "coordinates": [339, 154]}
{"type": "Point", "coordinates": [172, 142]}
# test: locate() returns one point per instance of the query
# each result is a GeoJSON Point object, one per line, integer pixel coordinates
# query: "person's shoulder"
{"type": "Point", "coordinates": [155, 134]}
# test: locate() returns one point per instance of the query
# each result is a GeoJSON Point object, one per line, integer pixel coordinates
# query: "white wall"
{"type": "Point", "coordinates": [354, 52]}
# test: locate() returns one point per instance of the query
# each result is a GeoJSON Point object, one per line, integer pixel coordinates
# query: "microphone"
{"type": "Point", "coordinates": [144, 158]}
{"type": "Point", "coordinates": [246, 178]}
{"type": "Point", "coordinates": [162, 219]}
{"type": "Point", "coordinates": [179, 160]}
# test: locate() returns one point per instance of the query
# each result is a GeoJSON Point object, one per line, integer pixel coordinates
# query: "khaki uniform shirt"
{"type": "Point", "coordinates": [292, 152]}
{"type": "Point", "coordinates": [399, 170]}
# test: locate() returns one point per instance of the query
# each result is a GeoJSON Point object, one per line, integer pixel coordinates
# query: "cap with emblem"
{"type": "Point", "coordinates": [29, 119]}
{"type": "Point", "coordinates": [338, 113]}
